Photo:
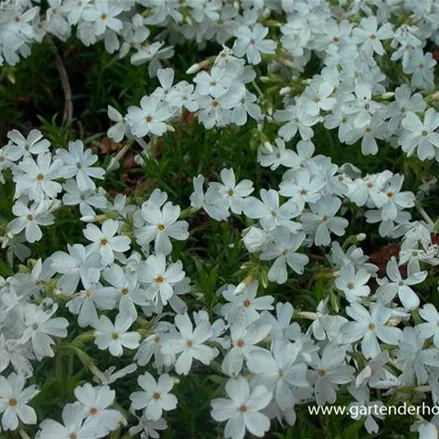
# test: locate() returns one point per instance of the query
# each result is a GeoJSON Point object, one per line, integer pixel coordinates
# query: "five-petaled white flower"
{"type": "Point", "coordinates": [155, 397]}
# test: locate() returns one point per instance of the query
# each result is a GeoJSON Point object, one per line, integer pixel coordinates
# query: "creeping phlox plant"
{"type": "Point", "coordinates": [120, 289]}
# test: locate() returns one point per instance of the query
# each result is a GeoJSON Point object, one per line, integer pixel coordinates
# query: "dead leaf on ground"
{"type": "Point", "coordinates": [108, 145]}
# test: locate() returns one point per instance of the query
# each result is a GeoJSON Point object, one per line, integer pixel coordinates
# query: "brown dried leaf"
{"type": "Point", "coordinates": [108, 145]}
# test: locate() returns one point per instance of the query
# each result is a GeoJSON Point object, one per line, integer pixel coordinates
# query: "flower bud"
{"type": "Point", "coordinates": [194, 68]}
{"type": "Point", "coordinates": [361, 237]}
{"type": "Point", "coordinates": [254, 239]}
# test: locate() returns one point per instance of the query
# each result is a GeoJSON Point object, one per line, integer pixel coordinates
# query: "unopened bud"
{"type": "Point", "coordinates": [307, 315]}
{"type": "Point", "coordinates": [265, 13]}
{"type": "Point", "coordinates": [268, 146]}
{"type": "Point", "coordinates": [285, 90]}
{"type": "Point", "coordinates": [433, 97]}
{"type": "Point", "coordinates": [388, 95]}
{"type": "Point", "coordinates": [254, 239]}
{"type": "Point", "coordinates": [199, 66]}
{"type": "Point", "coordinates": [194, 68]}
{"type": "Point", "coordinates": [361, 237]}
{"type": "Point", "coordinates": [244, 284]}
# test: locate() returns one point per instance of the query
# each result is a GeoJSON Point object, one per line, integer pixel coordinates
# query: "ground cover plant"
{"type": "Point", "coordinates": [216, 215]}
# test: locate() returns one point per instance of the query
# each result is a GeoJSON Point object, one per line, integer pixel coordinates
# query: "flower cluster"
{"type": "Point", "coordinates": [121, 288]}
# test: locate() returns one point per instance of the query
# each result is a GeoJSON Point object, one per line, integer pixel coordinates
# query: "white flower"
{"type": "Point", "coordinates": [401, 287]}
{"type": "Point", "coordinates": [404, 104]}
{"type": "Point", "coordinates": [369, 189]}
{"type": "Point", "coordinates": [103, 15]}
{"type": "Point", "coordinates": [153, 53]}
{"type": "Point", "coordinates": [298, 119]}
{"type": "Point", "coordinates": [166, 79]}
{"type": "Point", "coordinates": [369, 36]}
{"type": "Point", "coordinates": [78, 264]}
{"type": "Point", "coordinates": [244, 338]}
{"type": "Point", "coordinates": [426, 430]}
{"type": "Point", "coordinates": [39, 326]}
{"type": "Point", "coordinates": [13, 401]}
{"type": "Point", "coordinates": [421, 136]}
{"type": "Point", "coordinates": [183, 96]}
{"type": "Point", "coordinates": [235, 194]}
{"type": "Point", "coordinates": [319, 97]}
{"type": "Point", "coordinates": [276, 155]}
{"type": "Point", "coordinates": [73, 425]}
{"type": "Point", "coordinates": [95, 401]}
{"type": "Point", "coordinates": [148, 428]}
{"type": "Point", "coordinates": [109, 376]}
{"type": "Point", "coordinates": [243, 103]}
{"type": "Point", "coordinates": [369, 327]}
{"type": "Point", "coordinates": [115, 337]}
{"type": "Point", "coordinates": [361, 107]}
{"type": "Point", "coordinates": [375, 128]}
{"type": "Point", "coordinates": [125, 288]}
{"type": "Point", "coordinates": [413, 359]}
{"type": "Point", "coordinates": [216, 83]}
{"type": "Point", "coordinates": [152, 345]}
{"type": "Point", "coordinates": [330, 371]}
{"type": "Point", "coordinates": [36, 178]}
{"type": "Point", "coordinates": [422, 68]}
{"type": "Point", "coordinates": [87, 200]}
{"type": "Point", "coordinates": [270, 213]}
{"type": "Point", "coordinates": [85, 302]}
{"type": "Point", "coordinates": [353, 282]}
{"type": "Point", "coordinates": [117, 131]}
{"type": "Point", "coordinates": [356, 409]}
{"type": "Point", "coordinates": [14, 355]}
{"type": "Point", "coordinates": [283, 248]}
{"type": "Point", "coordinates": [105, 242]}
{"type": "Point", "coordinates": [242, 410]}
{"type": "Point", "coordinates": [431, 327]}
{"type": "Point", "coordinates": [78, 163]}
{"type": "Point", "coordinates": [246, 301]}
{"type": "Point", "coordinates": [252, 41]}
{"type": "Point", "coordinates": [160, 277]}
{"type": "Point", "coordinates": [30, 219]}
{"type": "Point", "coordinates": [395, 198]}
{"type": "Point", "coordinates": [215, 112]}
{"type": "Point", "coordinates": [302, 186]}
{"type": "Point", "coordinates": [278, 371]}
{"type": "Point", "coordinates": [190, 342]}
{"type": "Point", "coordinates": [375, 375]}
{"type": "Point", "coordinates": [282, 329]}
{"type": "Point", "coordinates": [151, 117]}
{"type": "Point", "coordinates": [21, 147]}
{"type": "Point", "coordinates": [322, 220]}
{"type": "Point", "coordinates": [155, 397]}
{"type": "Point", "coordinates": [161, 224]}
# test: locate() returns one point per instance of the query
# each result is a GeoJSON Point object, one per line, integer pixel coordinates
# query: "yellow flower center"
{"type": "Point", "coordinates": [13, 402]}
